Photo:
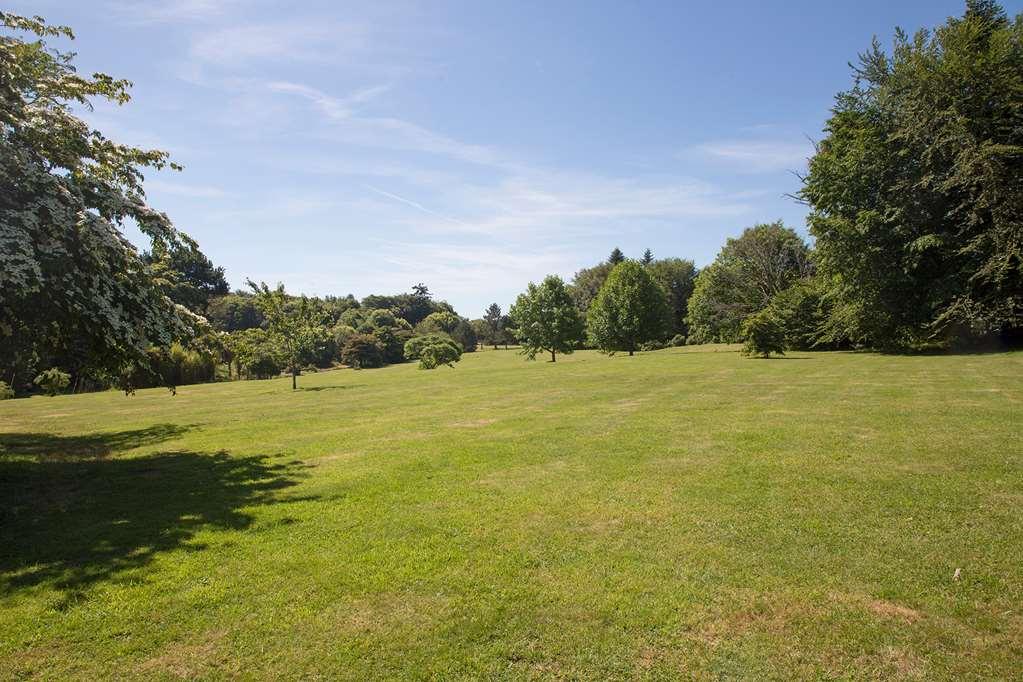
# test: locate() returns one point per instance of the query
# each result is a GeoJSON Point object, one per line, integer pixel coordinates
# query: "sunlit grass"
{"type": "Point", "coordinates": [678, 513]}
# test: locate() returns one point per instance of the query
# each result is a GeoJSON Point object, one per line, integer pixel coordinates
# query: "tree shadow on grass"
{"type": "Point", "coordinates": [89, 445]}
{"type": "Point", "coordinates": [72, 522]}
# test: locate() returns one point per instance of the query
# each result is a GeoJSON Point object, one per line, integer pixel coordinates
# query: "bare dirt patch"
{"type": "Point", "coordinates": [187, 660]}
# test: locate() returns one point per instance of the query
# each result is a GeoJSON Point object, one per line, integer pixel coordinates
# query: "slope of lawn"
{"type": "Point", "coordinates": [683, 513]}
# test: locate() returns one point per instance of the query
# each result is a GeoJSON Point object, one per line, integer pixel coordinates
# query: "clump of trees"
{"type": "Point", "coordinates": [915, 194]}
{"type": "Point", "coordinates": [748, 272]}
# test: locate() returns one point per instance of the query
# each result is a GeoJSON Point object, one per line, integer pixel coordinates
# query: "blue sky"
{"type": "Point", "coordinates": [473, 146]}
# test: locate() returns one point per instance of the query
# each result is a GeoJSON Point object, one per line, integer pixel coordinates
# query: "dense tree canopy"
{"type": "Point", "coordinates": [546, 319]}
{"type": "Point", "coordinates": [748, 272]}
{"type": "Point", "coordinates": [916, 192]}
{"type": "Point", "coordinates": [191, 278]}
{"type": "Point", "coordinates": [586, 283]}
{"type": "Point", "coordinates": [677, 276]}
{"type": "Point", "coordinates": [629, 310]}
{"type": "Point", "coordinates": [71, 284]}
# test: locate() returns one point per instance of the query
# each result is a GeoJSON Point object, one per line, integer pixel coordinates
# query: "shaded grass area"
{"type": "Point", "coordinates": [675, 514]}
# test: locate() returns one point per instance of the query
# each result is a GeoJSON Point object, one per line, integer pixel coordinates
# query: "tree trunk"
{"type": "Point", "coordinates": [294, 378]}
{"type": "Point", "coordinates": [553, 357]}
{"type": "Point", "coordinates": [631, 352]}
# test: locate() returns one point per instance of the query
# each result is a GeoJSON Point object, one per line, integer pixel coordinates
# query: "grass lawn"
{"type": "Point", "coordinates": [682, 513]}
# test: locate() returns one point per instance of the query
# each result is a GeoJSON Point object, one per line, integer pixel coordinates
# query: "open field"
{"type": "Point", "coordinates": [678, 513]}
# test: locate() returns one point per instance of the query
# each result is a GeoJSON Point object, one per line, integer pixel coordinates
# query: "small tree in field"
{"type": "Point", "coordinates": [294, 327]}
{"type": "Point", "coordinates": [439, 352]}
{"type": "Point", "coordinates": [764, 334]}
{"type": "Point", "coordinates": [546, 319]}
{"type": "Point", "coordinates": [494, 321]}
{"type": "Point", "coordinates": [629, 310]}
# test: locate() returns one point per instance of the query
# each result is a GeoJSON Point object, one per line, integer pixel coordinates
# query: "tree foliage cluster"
{"type": "Point", "coordinates": [915, 191]}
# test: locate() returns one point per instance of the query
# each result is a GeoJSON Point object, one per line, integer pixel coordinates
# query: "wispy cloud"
{"type": "Point", "coordinates": [296, 41]}
{"type": "Point", "coordinates": [416, 205]}
{"type": "Point", "coordinates": [170, 11]}
{"type": "Point", "coordinates": [186, 190]}
{"type": "Point", "coordinates": [757, 155]}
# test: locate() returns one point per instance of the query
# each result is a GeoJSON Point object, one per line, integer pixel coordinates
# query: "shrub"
{"type": "Point", "coordinates": [803, 313]}
{"type": "Point", "coordinates": [6, 392]}
{"type": "Point", "coordinates": [262, 363]}
{"type": "Point", "coordinates": [53, 381]}
{"type": "Point", "coordinates": [414, 346]}
{"type": "Point", "coordinates": [763, 334]}
{"type": "Point", "coordinates": [677, 340]}
{"type": "Point", "coordinates": [652, 345]}
{"type": "Point", "coordinates": [362, 351]}
{"type": "Point", "coordinates": [392, 342]}
{"type": "Point", "coordinates": [439, 353]}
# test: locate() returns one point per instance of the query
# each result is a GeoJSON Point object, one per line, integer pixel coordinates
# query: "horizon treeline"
{"type": "Point", "coordinates": [915, 210]}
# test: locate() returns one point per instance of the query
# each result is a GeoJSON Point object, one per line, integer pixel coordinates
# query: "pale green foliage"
{"type": "Point", "coordinates": [6, 392]}
{"type": "Point", "coordinates": [52, 381]}
{"type": "Point", "coordinates": [253, 353]}
{"type": "Point", "coordinates": [630, 309]}
{"type": "Point", "coordinates": [546, 319]}
{"type": "Point", "coordinates": [71, 284]}
{"type": "Point", "coordinates": [763, 334]}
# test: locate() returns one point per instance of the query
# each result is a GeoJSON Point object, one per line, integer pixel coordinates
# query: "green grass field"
{"type": "Point", "coordinates": [683, 513]}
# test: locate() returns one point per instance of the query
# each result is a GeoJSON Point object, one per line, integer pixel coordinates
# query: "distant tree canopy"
{"type": "Point", "coordinates": [629, 310]}
{"type": "Point", "coordinates": [677, 276]}
{"type": "Point", "coordinates": [413, 307]}
{"type": "Point", "coordinates": [916, 192]}
{"type": "Point", "coordinates": [748, 272]}
{"type": "Point", "coordinates": [546, 319]}
{"type": "Point", "coordinates": [493, 321]}
{"type": "Point", "coordinates": [72, 287]}
{"type": "Point", "coordinates": [586, 283]}
{"type": "Point", "coordinates": [191, 278]}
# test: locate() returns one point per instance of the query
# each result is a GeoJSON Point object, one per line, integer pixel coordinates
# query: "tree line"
{"type": "Point", "coordinates": [915, 207]}
{"type": "Point", "coordinates": [916, 215]}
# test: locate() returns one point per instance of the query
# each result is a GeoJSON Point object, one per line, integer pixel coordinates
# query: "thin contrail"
{"type": "Point", "coordinates": [416, 205]}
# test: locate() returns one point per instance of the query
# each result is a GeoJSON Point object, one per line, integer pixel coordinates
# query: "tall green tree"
{"type": "Point", "coordinates": [616, 257]}
{"type": "Point", "coordinates": [630, 309]}
{"type": "Point", "coordinates": [493, 319]}
{"type": "Point", "coordinates": [73, 288]}
{"type": "Point", "coordinates": [747, 273]}
{"type": "Point", "coordinates": [546, 319]}
{"type": "Point", "coordinates": [648, 257]}
{"type": "Point", "coordinates": [294, 327]}
{"type": "Point", "coordinates": [915, 191]}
